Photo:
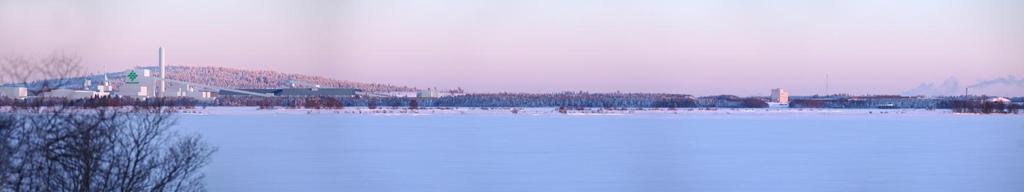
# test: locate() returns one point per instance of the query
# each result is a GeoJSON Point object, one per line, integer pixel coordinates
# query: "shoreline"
{"type": "Point", "coordinates": [230, 110]}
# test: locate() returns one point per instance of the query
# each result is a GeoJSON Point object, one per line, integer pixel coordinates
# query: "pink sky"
{"type": "Point", "coordinates": [696, 47]}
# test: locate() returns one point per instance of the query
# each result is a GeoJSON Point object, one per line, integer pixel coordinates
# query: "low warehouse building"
{"type": "Point", "coordinates": [14, 92]}
{"type": "Point", "coordinates": [300, 92]}
{"type": "Point", "coordinates": [75, 94]}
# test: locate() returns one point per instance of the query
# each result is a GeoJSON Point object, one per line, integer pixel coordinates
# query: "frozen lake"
{"type": "Point", "coordinates": [540, 150]}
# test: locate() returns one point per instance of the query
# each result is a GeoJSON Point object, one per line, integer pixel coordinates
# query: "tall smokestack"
{"type": "Point", "coordinates": [163, 74]}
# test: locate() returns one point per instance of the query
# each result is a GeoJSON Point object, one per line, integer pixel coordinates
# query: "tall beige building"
{"type": "Point", "coordinates": [780, 96]}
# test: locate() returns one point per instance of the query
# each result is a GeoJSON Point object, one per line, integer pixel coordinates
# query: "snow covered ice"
{"type": "Point", "coordinates": [539, 149]}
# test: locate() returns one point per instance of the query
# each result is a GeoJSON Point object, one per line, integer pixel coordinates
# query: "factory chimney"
{"type": "Point", "coordinates": [163, 74]}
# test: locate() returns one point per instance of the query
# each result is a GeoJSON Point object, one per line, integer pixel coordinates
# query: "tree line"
{"type": "Point", "coordinates": [982, 107]}
{"type": "Point", "coordinates": [569, 100]}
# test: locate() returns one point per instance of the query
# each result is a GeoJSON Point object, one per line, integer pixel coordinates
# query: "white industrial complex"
{"type": "Point", "coordinates": [140, 83]}
{"type": "Point", "coordinates": [143, 84]}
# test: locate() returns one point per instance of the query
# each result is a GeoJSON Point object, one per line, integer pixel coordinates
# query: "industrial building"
{"type": "Point", "coordinates": [14, 92]}
{"type": "Point", "coordinates": [142, 84]}
{"type": "Point", "coordinates": [298, 92]}
{"type": "Point", "coordinates": [394, 94]}
{"type": "Point", "coordinates": [137, 86]}
{"type": "Point", "coordinates": [75, 94]}
{"type": "Point", "coordinates": [779, 98]}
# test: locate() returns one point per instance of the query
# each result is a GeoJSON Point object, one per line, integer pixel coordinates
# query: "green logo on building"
{"type": "Point", "coordinates": [132, 76]}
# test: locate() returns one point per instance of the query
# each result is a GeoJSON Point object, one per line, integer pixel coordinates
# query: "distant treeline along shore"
{"type": "Point", "coordinates": [570, 101]}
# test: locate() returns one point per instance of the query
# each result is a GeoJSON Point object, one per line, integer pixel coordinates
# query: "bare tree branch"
{"type": "Point", "coordinates": [41, 75]}
{"type": "Point", "coordinates": [17, 70]}
{"type": "Point", "coordinates": [67, 148]}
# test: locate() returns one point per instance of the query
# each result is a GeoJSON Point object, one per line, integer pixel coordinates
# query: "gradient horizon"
{"type": "Point", "coordinates": [694, 47]}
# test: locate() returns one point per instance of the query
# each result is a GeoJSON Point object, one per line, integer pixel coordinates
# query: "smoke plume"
{"type": "Point", "coordinates": [951, 86]}
{"type": "Point", "coordinates": [1008, 80]}
{"type": "Point", "coordinates": [948, 87]}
